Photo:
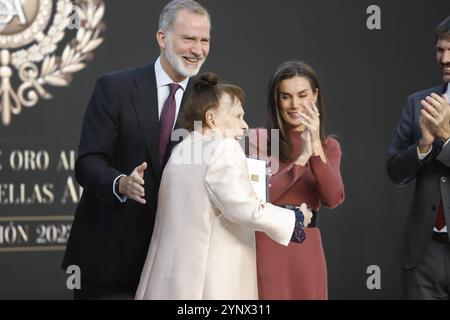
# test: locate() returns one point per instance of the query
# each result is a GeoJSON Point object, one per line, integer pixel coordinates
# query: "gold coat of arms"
{"type": "Point", "coordinates": [42, 43]}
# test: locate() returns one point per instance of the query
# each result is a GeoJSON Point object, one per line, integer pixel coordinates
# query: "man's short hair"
{"type": "Point", "coordinates": [169, 13]}
{"type": "Point", "coordinates": [443, 29]}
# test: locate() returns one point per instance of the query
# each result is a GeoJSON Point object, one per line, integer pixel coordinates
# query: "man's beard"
{"type": "Point", "coordinates": [177, 62]}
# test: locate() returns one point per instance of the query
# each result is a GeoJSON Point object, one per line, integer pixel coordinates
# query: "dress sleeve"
{"type": "Point", "coordinates": [283, 180]}
{"type": "Point", "coordinates": [328, 175]}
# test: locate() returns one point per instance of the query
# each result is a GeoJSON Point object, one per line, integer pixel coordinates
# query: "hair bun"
{"type": "Point", "coordinates": [209, 78]}
{"type": "Point", "coordinates": [206, 80]}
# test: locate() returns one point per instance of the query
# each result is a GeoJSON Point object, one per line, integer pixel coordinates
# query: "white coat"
{"type": "Point", "coordinates": [203, 242]}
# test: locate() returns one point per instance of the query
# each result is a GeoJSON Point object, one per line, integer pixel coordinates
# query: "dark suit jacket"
{"type": "Point", "coordinates": [432, 176]}
{"type": "Point", "coordinates": [109, 240]}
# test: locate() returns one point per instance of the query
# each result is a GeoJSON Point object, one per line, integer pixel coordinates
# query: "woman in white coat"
{"type": "Point", "coordinates": [203, 243]}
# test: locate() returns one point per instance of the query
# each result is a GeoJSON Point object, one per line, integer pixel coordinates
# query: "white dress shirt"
{"type": "Point", "coordinates": [162, 84]}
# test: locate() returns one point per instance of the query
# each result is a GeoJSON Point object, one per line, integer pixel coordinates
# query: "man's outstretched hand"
{"type": "Point", "coordinates": [132, 186]}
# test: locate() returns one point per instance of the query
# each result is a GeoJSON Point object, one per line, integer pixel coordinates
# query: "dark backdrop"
{"type": "Point", "coordinates": [366, 76]}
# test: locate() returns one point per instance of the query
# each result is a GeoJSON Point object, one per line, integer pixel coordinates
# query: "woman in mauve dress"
{"type": "Point", "coordinates": [308, 173]}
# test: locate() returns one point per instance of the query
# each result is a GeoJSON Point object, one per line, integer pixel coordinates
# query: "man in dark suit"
{"type": "Point", "coordinates": [125, 142]}
{"type": "Point", "coordinates": [421, 151]}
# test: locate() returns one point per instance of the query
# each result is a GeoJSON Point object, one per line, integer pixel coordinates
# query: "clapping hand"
{"type": "Point", "coordinates": [307, 150]}
{"type": "Point", "coordinates": [436, 112]}
{"type": "Point", "coordinates": [427, 138]}
{"type": "Point", "coordinates": [310, 118]}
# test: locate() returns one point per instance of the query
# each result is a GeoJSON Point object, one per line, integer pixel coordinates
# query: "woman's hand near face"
{"type": "Point", "coordinates": [307, 150]}
{"type": "Point", "coordinates": [311, 120]}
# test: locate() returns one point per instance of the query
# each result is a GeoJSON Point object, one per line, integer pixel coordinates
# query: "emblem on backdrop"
{"type": "Point", "coordinates": [42, 44]}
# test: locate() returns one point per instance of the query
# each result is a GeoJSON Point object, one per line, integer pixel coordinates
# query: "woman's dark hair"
{"type": "Point", "coordinates": [205, 95]}
{"type": "Point", "coordinates": [286, 71]}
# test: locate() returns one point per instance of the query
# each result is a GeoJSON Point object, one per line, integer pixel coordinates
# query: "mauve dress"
{"type": "Point", "coordinates": [299, 271]}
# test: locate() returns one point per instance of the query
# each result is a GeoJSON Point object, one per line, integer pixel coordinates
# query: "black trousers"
{"type": "Point", "coordinates": [430, 279]}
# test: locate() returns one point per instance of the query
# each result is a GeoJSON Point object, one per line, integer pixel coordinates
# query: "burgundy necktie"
{"type": "Point", "coordinates": [166, 121]}
{"type": "Point", "coordinates": [440, 220]}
